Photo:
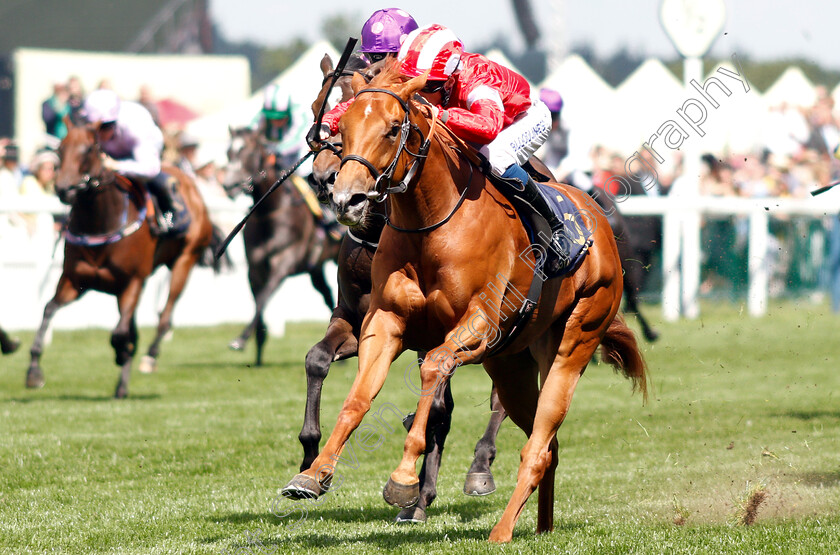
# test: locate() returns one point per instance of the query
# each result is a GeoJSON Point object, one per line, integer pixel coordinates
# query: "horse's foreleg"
{"type": "Point", "coordinates": [381, 344]}
{"type": "Point", "coordinates": [403, 489]}
{"type": "Point", "coordinates": [479, 478]}
{"type": "Point", "coordinates": [177, 281]}
{"type": "Point", "coordinates": [319, 282]}
{"type": "Point", "coordinates": [124, 336]}
{"type": "Point", "coordinates": [440, 420]}
{"type": "Point", "coordinates": [280, 268]}
{"type": "Point", "coordinates": [318, 361]}
{"type": "Point", "coordinates": [64, 294]}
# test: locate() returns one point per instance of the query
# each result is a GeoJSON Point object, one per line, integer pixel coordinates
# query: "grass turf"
{"type": "Point", "coordinates": [191, 462]}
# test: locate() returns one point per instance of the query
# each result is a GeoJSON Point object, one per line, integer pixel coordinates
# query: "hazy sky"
{"type": "Point", "coordinates": [762, 29]}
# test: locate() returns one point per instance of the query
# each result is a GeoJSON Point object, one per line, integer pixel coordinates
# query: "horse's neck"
{"type": "Point", "coordinates": [434, 192]}
{"type": "Point", "coordinates": [100, 211]}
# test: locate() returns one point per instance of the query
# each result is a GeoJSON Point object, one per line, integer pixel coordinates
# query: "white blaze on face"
{"type": "Point", "coordinates": [368, 110]}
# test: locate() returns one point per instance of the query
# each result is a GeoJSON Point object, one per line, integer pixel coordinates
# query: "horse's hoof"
{"type": "Point", "coordinates": [10, 346]}
{"type": "Point", "coordinates": [652, 336]}
{"type": "Point", "coordinates": [479, 483]}
{"type": "Point", "coordinates": [35, 382]}
{"type": "Point", "coordinates": [148, 365]}
{"type": "Point", "coordinates": [302, 487]}
{"type": "Point", "coordinates": [236, 345]}
{"type": "Point", "coordinates": [411, 515]}
{"type": "Point", "coordinates": [121, 393]}
{"type": "Point", "coordinates": [401, 495]}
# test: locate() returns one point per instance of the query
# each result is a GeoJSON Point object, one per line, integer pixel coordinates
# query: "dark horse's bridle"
{"type": "Point", "coordinates": [380, 191]}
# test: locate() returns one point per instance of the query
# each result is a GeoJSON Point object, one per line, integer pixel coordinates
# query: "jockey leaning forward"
{"type": "Point", "coordinates": [382, 35]}
{"type": "Point", "coordinates": [485, 104]}
{"type": "Point", "coordinates": [132, 144]}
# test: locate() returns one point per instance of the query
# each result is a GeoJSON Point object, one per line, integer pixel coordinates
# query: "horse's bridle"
{"type": "Point", "coordinates": [419, 157]}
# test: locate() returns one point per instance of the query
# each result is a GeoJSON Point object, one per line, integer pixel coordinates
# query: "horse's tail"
{"type": "Point", "coordinates": [208, 258]}
{"type": "Point", "coordinates": [619, 348]}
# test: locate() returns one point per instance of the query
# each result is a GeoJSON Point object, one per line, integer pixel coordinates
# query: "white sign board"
{"type": "Point", "coordinates": [692, 25]}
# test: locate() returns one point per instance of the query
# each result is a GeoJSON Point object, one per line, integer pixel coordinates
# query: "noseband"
{"type": "Point", "coordinates": [380, 192]}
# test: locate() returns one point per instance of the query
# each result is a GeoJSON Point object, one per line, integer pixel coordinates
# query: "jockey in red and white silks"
{"type": "Point", "coordinates": [483, 102]}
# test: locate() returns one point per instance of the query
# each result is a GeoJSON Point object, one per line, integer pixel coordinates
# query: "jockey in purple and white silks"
{"type": "Point", "coordinates": [133, 143]}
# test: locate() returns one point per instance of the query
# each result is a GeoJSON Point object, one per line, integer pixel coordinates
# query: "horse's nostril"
{"type": "Point", "coordinates": [358, 198]}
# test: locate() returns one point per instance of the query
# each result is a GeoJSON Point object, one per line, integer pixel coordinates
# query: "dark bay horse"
{"type": "Point", "coordinates": [109, 248]}
{"type": "Point", "coordinates": [341, 340]}
{"type": "Point", "coordinates": [282, 238]}
{"type": "Point", "coordinates": [434, 291]}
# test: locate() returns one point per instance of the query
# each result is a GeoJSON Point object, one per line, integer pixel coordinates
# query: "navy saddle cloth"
{"type": "Point", "coordinates": [576, 235]}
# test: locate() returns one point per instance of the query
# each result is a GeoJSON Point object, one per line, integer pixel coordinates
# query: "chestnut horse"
{"type": "Point", "coordinates": [433, 291]}
{"type": "Point", "coordinates": [282, 238]}
{"type": "Point", "coordinates": [341, 340]}
{"type": "Point", "coordinates": [109, 248]}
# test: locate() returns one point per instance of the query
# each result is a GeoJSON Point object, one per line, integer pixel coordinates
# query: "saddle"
{"type": "Point", "coordinates": [577, 237]}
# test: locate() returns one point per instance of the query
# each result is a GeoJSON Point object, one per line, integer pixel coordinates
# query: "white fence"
{"type": "Point", "coordinates": [29, 272]}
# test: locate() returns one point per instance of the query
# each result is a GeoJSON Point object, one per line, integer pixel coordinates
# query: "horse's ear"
{"type": "Point", "coordinates": [413, 86]}
{"type": "Point", "coordinates": [68, 123]}
{"type": "Point", "coordinates": [230, 130]}
{"type": "Point", "coordinates": [326, 64]}
{"type": "Point", "coordinates": [358, 83]}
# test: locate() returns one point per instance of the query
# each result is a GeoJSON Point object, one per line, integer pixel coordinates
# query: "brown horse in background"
{"type": "Point", "coordinates": [434, 291]}
{"type": "Point", "coordinates": [282, 238]}
{"type": "Point", "coordinates": [109, 248]}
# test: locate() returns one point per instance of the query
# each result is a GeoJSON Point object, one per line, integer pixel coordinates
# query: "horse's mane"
{"type": "Point", "coordinates": [389, 76]}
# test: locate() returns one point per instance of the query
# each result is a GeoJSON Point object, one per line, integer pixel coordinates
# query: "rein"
{"type": "Point", "coordinates": [380, 192]}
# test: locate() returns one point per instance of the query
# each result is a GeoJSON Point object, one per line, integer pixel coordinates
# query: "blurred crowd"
{"type": "Point", "coordinates": [35, 177]}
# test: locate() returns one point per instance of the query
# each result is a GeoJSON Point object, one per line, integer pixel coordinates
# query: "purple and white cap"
{"type": "Point", "coordinates": [385, 30]}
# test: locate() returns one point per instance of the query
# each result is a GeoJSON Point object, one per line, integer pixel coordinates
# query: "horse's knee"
{"type": "Point", "coordinates": [318, 361]}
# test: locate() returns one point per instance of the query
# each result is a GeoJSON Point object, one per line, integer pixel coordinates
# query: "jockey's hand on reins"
{"type": "Point", "coordinates": [317, 136]}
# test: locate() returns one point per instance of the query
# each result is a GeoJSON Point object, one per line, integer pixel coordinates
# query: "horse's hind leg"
{"type": "Point", "coordinates": [632, 284]}
{"type": "Point", "coordinates": [124, 336]}
{"type": "Point", "coordinates": [338, 342]}
{"type": "Point", "coordinates": [479, 478]}
{"type": "Point", "coordinates": [65, 293]}
{"type": "Point", "coordinates": [561, 368]}
{"type": "Point", "coordinates": [319, 282]}
{"type": "Point", "coordinates": [440, 420]}
{"type": "Point", "coordinates": [180, 273]}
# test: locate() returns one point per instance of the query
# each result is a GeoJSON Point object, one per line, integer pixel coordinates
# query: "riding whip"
{"type": "Point", "coordinates": [821, 190]}
{"type": "Point", "coordinates": [339, 69]}
{"type": "Point", "coordinates": [345, 56]}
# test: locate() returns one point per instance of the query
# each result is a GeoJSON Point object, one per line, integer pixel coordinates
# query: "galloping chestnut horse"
{"type": "Point", "coordinates": [341, 340]}
{"type": "Point", "coordinates": [282, 238]}
{"type": "Point", "coordinates": [434, 291]}
{"type": "Point", "coordinates": [109, 248]}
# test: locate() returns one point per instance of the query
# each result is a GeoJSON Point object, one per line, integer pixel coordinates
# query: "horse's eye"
{"type": "Point", "coordinates": [395, 129]}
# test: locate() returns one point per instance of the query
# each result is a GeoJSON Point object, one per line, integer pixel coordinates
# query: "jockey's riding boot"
{"type": "Point", "coordinates": [532, 195]}
{"type": "Point", "coordinates": [163, 187]}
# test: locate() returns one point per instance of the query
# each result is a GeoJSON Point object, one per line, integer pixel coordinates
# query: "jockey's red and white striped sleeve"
{"type": "Point", "coordinates": [433, 48]}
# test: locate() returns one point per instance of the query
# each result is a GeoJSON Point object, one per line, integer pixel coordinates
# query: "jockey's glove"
{"type": "Point", "coordinates": [317, 135]}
